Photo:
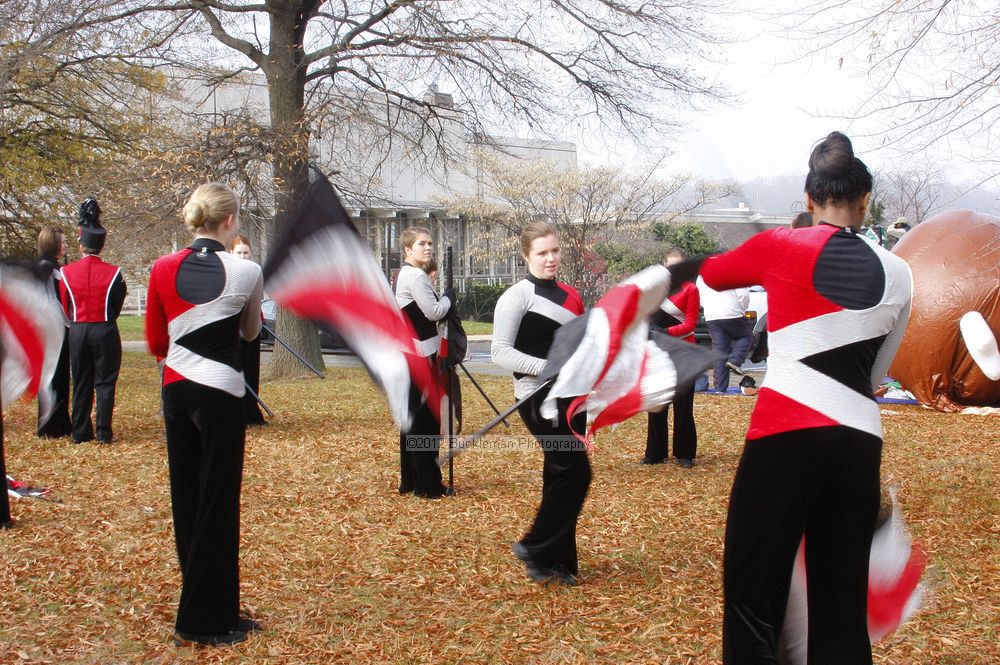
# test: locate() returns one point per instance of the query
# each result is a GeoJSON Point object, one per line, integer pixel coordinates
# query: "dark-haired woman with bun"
{"type": "Point", "coordinates": [202, 301]}
{"type": "Point", "coordinates": [837, 310]}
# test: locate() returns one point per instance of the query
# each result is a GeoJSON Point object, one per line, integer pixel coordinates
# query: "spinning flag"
{"type": "Point", "coordinates": [324, 271]}
{"type": "Point", "coordinates": [610, 362]}
{"type": "Point", "coordinates": [895, 565]}
{"type": "Point", "coordinates": [31, 334]}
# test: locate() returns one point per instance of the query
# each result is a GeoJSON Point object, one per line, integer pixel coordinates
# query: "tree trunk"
{"type": "Point", "coordinates": [286, 86]}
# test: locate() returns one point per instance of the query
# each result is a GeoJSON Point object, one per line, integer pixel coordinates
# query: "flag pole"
{"type": "Point", "coordinates": [481, 432]}
{"type": "Point", "coordinates": [292, 351]}
{"type": "Point", "coordinates": [259, 400]}
{"type": "Point", "coordinates": [5, 521]}
{"type": "Point", "coordinates": [450, 273]}
{"type": "Point", "coordinates": [482, 392]}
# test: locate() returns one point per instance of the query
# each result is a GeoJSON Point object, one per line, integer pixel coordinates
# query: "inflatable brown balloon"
{"type": "Point", "coordinates": [955, 260]}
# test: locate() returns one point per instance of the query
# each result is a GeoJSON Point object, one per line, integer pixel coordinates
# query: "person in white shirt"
{"type": "Point", "coordinates": [731, 333]}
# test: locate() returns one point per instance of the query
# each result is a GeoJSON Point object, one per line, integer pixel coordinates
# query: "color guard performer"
{"type": "Point", "coordinates": [677, 316]}
{"type": "Point", "coordinates": [202, 301]}
{"type": "Point", "coordinates": [418, 469]}
{"type": "Point", "coordinates": [837, 310]}
{"type": "Point", "coordinates": [51, 248]}
{"type": "Point", "coordinates": [525, 321]}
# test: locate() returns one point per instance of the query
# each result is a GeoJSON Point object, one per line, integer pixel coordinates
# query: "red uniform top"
{"type": "Point", "coordinates": [92, 291]}
{"type": "Point", "coordinates": [837, 310]}
{"type": "Point", "coordinates": [201, 301]}
{"type": "Point", "coordinates": [678, 314]}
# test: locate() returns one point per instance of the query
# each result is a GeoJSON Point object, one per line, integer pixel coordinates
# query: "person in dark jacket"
{"type": "Point", "coordinates": [92, 293]}
{"type": "Point", "coordinates": [51, 248]}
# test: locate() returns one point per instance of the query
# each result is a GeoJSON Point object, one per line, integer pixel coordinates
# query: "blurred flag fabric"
{"type": "Point", "coordinates": [31, 334]}
{"type": "Point", "coordinates": [610, 361]}
{"type": "Point", "coordinates": [323, 270]}
{"type": "Point", "coordinates": [895, 592]}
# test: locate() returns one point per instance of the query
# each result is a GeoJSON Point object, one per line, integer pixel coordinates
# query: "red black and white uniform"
{"type": "Point", "coordinates": [418, 468]}
{"type": "Point", "coordinates": [58, 423]}
{"type": "Point", "coordinates": [202, 301]}
{"type": "Point", "coordinates": [678, 316]}
{"type": "Point", "coordinates": [92, 293]}
{"type": "Point", "coordinates": [525, 322]}
{"type": "Point", "coordinates": [837, 310]}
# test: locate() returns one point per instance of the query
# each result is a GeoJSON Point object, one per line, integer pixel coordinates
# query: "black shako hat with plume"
{"type": "Point", "coordinates": [92, 234]}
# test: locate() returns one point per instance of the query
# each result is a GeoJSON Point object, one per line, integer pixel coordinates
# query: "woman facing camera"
{"type": "Point", "coordinates": [52, 248]}
{"type": "Point", "coordinates": [239, 247]}
{"type": "Point", "coordinates": [418, 468]}
{"type": "Point", "coordinates": [837, 310]}
{"type": "Point", "coordinates": [202, 301]}
{"type": "Point", "coordinates": [524, 324]}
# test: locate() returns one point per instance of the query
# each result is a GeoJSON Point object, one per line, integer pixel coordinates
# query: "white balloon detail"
{"type": "Point", "coordinates": [982, 344]}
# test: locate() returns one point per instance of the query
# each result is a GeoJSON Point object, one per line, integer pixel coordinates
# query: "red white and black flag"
{"type": "Point", "coordinates": [608, 359]}
{"type": "Point", "coordinates": [31, 334]}
{"type": "Point", "coordinates": [322, 270]}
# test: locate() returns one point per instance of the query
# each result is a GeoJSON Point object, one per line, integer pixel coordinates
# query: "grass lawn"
{"type": "Point", "coordinates": [131, 328]}
{"type": "Point", "coordinates": [341, 568]}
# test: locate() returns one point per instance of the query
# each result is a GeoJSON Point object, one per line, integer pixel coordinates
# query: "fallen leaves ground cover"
{"type": "Point", "coordinates": [341, 568]}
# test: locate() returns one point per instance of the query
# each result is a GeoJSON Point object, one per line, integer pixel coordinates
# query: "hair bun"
{"type": "Point", "coordinates": [194, 214]}
{"type": "Point", "coordinates": [832, 156]}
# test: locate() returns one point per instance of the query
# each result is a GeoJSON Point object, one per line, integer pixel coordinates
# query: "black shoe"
{"type": "Point", "coordinates": [562, 576]}
{"type": "Point", "coordinates": [106, 441]}
{"type": "Point", "coordinates": [219, 640]}
{"type": "Point", "coordinates": [647, 460]}
{"type": "Point", "coordinates": [535, 571]}
{"type": "Point", "coordinates": [4, 526]}
{"type": "Point", "coordinates": [447, 491]}
{"type": "Point", "coordinates": [248, 625]}
{"type": "Point", "coordinates": [685, 462]}
{"type": "Point", "coordinates": [79, 441]}
{"type": "Point", "coordinates": [521, 552]}
{"type": "Point", "coordinates": [405, 490]}
{"type": "Point", "coordinates": [734, 368]}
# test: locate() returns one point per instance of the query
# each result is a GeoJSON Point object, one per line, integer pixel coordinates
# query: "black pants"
{"type": "Point", "coordinates": [95, 358]}
{"type": "Point", "coordinates": [823, 483]}
{"type": "Point", "coordinates": [418, 469]}
{"type": "Point", "coordinates": [59, 423]}
{"type": "Point", "coordinates": [250, 352]}
{"type": "Point", "coordinates": [565, 480]}
{"type": "Point", "coordinates": [685, 433]}
{"type": "Point", "coordinates": [205, 439]}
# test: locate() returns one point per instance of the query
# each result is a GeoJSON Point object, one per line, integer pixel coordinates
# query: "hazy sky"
{"type": "Point", "coordinates": [785, 109]}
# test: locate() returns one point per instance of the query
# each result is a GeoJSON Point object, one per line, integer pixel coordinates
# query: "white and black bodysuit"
{"type": "Point", "coordinates": [201, 301]}
{"type": "Point", "coordinates": [837, 310]}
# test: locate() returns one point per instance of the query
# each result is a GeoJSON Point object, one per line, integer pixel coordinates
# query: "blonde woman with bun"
{"type": "Point", "coordinates": [202, 302]}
